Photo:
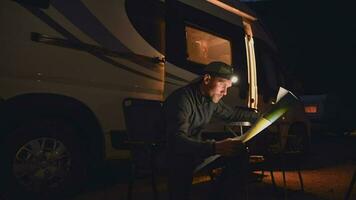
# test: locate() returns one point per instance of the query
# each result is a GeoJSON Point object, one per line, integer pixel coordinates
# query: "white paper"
{"type": "Point", "coordinates": [281, 93]}
{"type": "Point", "coordinates": [257, 128]}
{"type": "Point", "coordinates": [260, 125]}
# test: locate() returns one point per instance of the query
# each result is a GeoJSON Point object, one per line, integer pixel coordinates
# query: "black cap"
{"type": "Point", "coordinates": [219, 69]}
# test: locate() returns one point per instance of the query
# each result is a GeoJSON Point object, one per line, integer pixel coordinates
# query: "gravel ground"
{"type": "Point", "coordinates": [326, 172]}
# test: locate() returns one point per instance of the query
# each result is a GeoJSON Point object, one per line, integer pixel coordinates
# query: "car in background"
{"type": "Point", "coordinates": [314, 109]}
{"type": "Point", "coordinates": [330, 113]}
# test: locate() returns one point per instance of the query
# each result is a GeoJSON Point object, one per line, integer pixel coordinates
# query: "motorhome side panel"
{"type": "Point", "coordinates": [99, 81]}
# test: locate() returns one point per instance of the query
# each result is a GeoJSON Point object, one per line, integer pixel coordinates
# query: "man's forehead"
{"type": "Point", "coordinates": [222, 79]}
{"type": "Point", "coordinates": [227, 82]}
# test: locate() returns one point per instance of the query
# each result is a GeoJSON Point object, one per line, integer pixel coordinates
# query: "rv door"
{"type": "Point", "coordinates": [251, 65]}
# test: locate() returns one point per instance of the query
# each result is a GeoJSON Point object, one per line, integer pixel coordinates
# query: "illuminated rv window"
{"type": "Point", "coordinates": [203, 47]}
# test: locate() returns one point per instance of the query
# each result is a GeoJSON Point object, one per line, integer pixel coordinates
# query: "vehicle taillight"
{"type": "Point", "coordinates": [310, 109]}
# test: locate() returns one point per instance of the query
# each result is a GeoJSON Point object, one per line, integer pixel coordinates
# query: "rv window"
{"type": "Point", "coordinates": [203, 47]}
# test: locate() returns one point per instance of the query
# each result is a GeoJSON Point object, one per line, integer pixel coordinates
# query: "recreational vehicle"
{"type": "Point", "coordinates": [67, 65]}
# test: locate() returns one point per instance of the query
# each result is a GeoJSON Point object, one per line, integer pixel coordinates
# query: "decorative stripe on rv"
{"type": "Point", "coordinates": [73, 39]}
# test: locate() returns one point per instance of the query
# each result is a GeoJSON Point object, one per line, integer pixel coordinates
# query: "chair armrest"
{"type": "Point", "coordinates": [256, 159]}
{"type": "Point", "coordinates": [240, 123]}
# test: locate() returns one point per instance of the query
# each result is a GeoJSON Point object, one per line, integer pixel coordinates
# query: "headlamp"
{"type": "Point", "coordinates": [234, 79]}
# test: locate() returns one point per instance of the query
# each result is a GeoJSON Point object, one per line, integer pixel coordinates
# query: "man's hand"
{"type": "Point", "coordinates": [229, 147]}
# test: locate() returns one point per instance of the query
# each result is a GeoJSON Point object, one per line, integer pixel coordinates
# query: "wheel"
{"type": "Point", "coordinates": [41, 159]}
{"type": "Point", "coordinates": [298, 138]}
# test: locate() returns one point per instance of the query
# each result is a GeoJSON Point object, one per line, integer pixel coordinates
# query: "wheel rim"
{"type": "Point", "coordinates": [41, 164]}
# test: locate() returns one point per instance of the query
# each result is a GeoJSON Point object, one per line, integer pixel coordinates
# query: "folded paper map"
{"type": "Point", "coordinates": [285, 100]}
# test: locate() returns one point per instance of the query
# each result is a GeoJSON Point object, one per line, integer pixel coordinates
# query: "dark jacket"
{"type": "Point", "coordinates": [187, 111]}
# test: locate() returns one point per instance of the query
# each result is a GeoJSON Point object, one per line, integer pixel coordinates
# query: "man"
{"type": "Point", "coordinates": [186, 111]}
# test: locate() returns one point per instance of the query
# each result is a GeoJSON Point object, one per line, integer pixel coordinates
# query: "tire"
{"type": "Point", "coordinates": [42, 159]}
{"type": "Point", "coordinates": [298, 138]}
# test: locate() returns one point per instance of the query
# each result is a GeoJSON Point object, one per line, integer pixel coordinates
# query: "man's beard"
{"type": "Point", "coordinates": [215, 99]}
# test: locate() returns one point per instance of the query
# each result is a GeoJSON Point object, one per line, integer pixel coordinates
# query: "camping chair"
{"type": "Point", "coordinates": [267, 155]}
{"type": "Point", "coordinates": [145, 138]}
{"type": "Point", "coordinates": [278, 157]}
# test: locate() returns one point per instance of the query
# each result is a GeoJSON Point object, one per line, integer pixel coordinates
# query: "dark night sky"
{"type": "Point", "coordinates": [316, 40]}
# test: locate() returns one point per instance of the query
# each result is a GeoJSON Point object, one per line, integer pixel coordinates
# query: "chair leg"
{"type": "Point", "coordinates": [352, 183]}
{"type": "Point", "coordinates": [301, 180]}
{"type": "Point", "coordinates": [284, 183]}
{"type": "Point", "coordinates": [274, 184]}
{"type": "Point", "coordinates": [260, 178]}
{"type": "Point", "coordinates": [273, 181]}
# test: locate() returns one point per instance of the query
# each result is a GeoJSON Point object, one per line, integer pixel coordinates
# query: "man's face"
{"type": "Point", "coordinates": [216, 87]}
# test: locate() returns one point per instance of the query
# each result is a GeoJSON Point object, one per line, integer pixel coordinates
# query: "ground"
{"type": "Point", "coordinates": [326, 171]}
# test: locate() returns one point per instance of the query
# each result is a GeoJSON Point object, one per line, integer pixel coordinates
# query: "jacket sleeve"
{"type": "Point", "coordinates": [177, 112]}
{"type": "Point", "coordinates": [229, 114]}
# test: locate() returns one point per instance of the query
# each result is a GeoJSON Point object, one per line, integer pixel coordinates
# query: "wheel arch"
{"type": "Point", "coordinates": [21, 108]}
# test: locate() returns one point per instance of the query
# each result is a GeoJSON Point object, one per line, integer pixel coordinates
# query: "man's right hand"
{"type": "Point", "coordinates": [229, 147]}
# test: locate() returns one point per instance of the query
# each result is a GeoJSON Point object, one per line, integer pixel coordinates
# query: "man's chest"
{"type": "Point", "coordinates": [201, 115]}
